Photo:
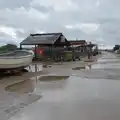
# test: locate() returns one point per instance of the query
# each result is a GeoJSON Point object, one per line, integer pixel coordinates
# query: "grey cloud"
{"type": "Point", "coordinates": [106, 14]}
{"type": "Point", "coordinates": [75, 34]}
{"type": "Point", "coordinates": [21, 34]}
{"type": "Point", "coordinates": [6, 39]}
{"type": "Point", "coordinates": [44, 9]}
{"type": "Point", "coordinates": [14, 3]}
{"type": "Point", "coordinates": [21, 20]}
{"type": "Point", "coordinates": [2, 34]}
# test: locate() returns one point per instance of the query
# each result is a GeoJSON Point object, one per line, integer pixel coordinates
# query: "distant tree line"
{"type": "Point", "coordinates": [7, 48]}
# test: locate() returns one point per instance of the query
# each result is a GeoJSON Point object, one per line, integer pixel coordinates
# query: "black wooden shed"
{"type": "Point", "coordinates": [47, 39]}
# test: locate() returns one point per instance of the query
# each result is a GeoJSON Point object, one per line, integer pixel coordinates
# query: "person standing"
{"type": "Point", "coordinates": [89, 52]}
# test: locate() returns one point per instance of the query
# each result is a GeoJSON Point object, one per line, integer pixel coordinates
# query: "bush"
{"type": "Point", "coordinates": [7, 48]}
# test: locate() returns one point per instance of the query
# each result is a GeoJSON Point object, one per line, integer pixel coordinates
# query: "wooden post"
{"type": "Point", "coordinates": [35, 52]}
{"type": "Point", "coordinates": [20, 46]}
{"type": "Point", "coordinates": [52, 52]}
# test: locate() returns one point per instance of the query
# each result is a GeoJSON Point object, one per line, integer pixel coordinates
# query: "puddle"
{"type": "Point", "coordinates": [109, 66]}
{"type": "Point", "coordinates": [26, 100]}
{"type": "Point", "coordinates": [46, 66]}
{"type": "Point", "coordinates": [89, 61]}
{"type": "Point", "coordinates": [53, 78]}
{"type": "Point", "coordinates": [49, 86]}
{"type": "Point", "coordinates": [21, 87]}
{"type": "Point", "coordinates": [35, 68]}
{"type": "Point", "coordinates": [108, 61]}
{"type": "Point", "coordinates": [4, 74]}
{"type": "Point", "coordinates": [86, 67]}
{"type": "Point", "coordinates": [79, 68]}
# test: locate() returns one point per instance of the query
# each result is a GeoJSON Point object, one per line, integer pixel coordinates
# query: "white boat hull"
{"type": "Point", "coordinates": [15, 62]}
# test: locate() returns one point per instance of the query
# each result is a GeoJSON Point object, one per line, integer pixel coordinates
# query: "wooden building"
{"type": "Point", "coordinates": [78, 42]}
{"type": "Point", "coordinates": [46, 39]}
{"type": "Point", "coordinates": [79, 45]}
{"type": "Point", "coordinates": [50, 40]}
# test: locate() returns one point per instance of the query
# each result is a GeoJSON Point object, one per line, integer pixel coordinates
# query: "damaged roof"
{"type": "Point", "coordinates": [45, 38]}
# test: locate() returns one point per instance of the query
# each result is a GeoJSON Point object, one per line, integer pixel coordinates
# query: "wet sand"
{"type": "Point", "coordinates": [65, 91]}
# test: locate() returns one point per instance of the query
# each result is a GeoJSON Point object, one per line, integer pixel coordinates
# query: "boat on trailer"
{"type": "Point", "coordinates": [15, 60]}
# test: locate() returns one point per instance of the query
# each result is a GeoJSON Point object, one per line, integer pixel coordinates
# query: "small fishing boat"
{"type": "Point", "coordinates": [16, 59]}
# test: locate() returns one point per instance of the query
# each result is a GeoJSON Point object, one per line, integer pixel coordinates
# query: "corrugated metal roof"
{"type": "Point", "coordinates": [46, 38]}
{"type": "Point", "coordinates": [78, 42]}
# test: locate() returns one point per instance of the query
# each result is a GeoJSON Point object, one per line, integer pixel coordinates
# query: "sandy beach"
{"type": "Point", "coordinates": [67, 91]}
{"type": "Point", "coordinates": [58, 68]}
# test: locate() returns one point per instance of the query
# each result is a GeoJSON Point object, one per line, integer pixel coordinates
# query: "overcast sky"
{"type": "Point", "coordinates": [96, 20]}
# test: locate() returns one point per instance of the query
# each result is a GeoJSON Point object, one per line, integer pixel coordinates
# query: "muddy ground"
{"type": "Point", "coordinates": [81, 90]}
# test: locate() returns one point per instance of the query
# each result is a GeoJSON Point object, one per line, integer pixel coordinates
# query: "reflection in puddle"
{"type": "Point", "coordinates": [79, 68]}
{"type": "Point", "coordinates": [21, 87]}
{"type": "Point", "coordinates": [108, 61]}
{"type": "Point", "coordinates": [35, 68]}
{"type": "Point", "coordinates": [89, 61]}
{"type": "Point", "coordinates": [28, 99]}
{"type": "Point", "coordinates": [86, 67]}
{"type": "Point", "coordinates": [28, 86]}
{"type": "Point", "coordinates": [50, 86]}
{"type": "Point", "coordinates": [53, 78]}
{"type": "Point", "coordinates": [19, 72]}
{"type": "Point", "coordinates": [108, 66]}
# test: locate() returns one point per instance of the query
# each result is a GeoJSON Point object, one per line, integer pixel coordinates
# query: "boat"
{"type": "Point", "coordinates": [15, 59]}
